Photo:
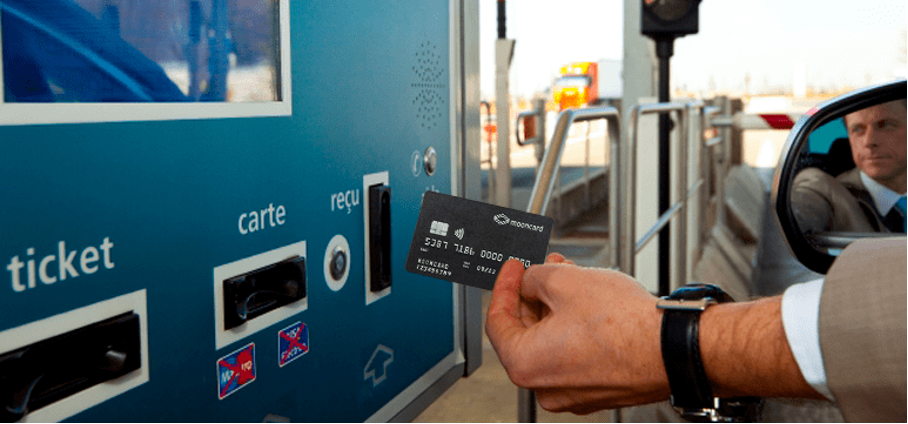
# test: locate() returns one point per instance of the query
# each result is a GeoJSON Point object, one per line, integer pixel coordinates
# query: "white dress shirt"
{"type": "Point", "coordinates": [883, 197]}
{"type": "Point", "coordinates": [800, 318]}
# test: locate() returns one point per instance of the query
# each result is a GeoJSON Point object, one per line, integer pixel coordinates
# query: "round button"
{"type": "Point", "coordinates": [431, 161]}
{"type": "Point", "coordinates": [338, 263]}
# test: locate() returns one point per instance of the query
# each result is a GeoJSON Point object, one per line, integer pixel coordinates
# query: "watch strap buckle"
{"type": "Point", "coordinates": [685, 304]}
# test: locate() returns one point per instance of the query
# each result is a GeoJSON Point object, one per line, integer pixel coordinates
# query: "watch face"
{"type": "Point", "coordinates": [669, 10]}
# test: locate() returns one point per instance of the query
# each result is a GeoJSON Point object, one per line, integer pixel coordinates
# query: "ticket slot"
{"type": "Point", "coordinates": [50, 370]}
{"type": "Point", "coordinates": [255, 293]}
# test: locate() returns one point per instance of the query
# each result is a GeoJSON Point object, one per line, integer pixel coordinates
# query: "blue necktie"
{"type": "Point", "coordinates": [902, 207]}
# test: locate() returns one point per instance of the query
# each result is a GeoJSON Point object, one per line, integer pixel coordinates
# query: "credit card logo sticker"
{"type": "Point", "coordinates": [439, 228]}
{"type": "Point", "coordinates": [502, 219]}
{"type": "Point", "coordinates": [236, 370]}
{"type": "Point", "coordinates": [293, 342]}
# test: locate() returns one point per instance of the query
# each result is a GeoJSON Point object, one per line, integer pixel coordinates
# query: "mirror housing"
{"type": "Point", "coordinates": [527, 120]}
{"type": "Point", "coordinates": [817, 251]}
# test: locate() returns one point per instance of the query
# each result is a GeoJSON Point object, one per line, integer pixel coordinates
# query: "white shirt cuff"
{"type": "Point", "coordinates": [800, 318]}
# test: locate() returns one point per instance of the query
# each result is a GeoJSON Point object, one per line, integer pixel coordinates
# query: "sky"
{"type": "Point", "coordinates": [754, 44]}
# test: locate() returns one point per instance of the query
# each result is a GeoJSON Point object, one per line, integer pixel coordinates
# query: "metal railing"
{"type": "Point", "coordinates": [628, 205]}
{"type": "Point", "coordinates": [624, 256]}
{"type": "Point", "coordinates": [543, 187]}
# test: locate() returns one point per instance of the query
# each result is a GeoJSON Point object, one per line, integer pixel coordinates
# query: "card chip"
{"type": "Point", "coordinates": [439, 228]}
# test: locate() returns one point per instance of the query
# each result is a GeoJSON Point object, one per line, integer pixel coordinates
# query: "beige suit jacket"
{"type": "Point", "coordinates": [823, 203]}
{"type": "Point", "coordinates": [862, 330]}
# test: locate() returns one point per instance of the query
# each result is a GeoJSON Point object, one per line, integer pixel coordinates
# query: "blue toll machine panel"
{"type": "Point", "coordinates": [207, 204]}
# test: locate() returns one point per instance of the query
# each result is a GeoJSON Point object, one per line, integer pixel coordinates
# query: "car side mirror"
{"type": "Point", "coordinates": [834, 172]}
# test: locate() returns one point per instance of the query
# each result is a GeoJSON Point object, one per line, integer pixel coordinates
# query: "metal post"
{"type": "Point", "coordinates": [586, 170]}
{"type": "Point", "coordinates": [526, 406]}
{"type": "Point", "coordinates": [723, 154]}
{"type": "Point", "coordinates": [617, 217]}
{"type": "Point", "coordinates": [504, 52]}
{"type": "Point", "coordinates": [682, 198]}
{"type": "Point", "coordinates": [627, 253]}
{"type": "Point", "coordinates": [707, 162]}
{"type": "Point", "coordinates": [664, 50]}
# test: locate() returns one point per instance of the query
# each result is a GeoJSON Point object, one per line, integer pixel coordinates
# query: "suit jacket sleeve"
{"type": "Point", "coordinates": [821, 203]}
{"type": "Point", "coordinates": [862, 330]}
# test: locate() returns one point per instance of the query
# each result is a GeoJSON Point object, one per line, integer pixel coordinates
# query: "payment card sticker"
{"type": "Point", "coordinates": [236, 370]}
{"type": "Point", "coordinates": [292, 342]}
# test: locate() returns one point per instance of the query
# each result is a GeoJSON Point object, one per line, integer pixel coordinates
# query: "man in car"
{"type": "Point", "coordinates": [870, 197]}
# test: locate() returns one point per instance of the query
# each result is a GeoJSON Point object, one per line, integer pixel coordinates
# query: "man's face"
{"type": "Point", "coordinates": [877, 137]}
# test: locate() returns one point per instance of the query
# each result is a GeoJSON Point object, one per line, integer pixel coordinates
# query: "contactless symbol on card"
{"type": "Point", "coordinates": [466, 241]}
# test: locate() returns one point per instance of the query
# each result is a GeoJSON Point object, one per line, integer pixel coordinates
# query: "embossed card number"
{"type": "Point", "coordinates": [467, 242]}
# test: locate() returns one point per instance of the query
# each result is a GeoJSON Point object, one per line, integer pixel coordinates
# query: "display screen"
{"type": "Point", "coordinates": [137, 51]}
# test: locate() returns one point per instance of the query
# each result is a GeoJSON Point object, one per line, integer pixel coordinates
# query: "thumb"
{"type": "Point", "coordinates": [502, 320]}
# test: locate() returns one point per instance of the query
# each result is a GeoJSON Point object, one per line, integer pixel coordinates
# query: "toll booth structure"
{"type": "Point", "coordinates": [207, 207]}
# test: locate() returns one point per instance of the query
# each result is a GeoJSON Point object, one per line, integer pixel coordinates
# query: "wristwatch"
{"type": "Point", "coordinates": [692, 395]}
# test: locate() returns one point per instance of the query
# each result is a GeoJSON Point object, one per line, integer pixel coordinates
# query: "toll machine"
{"type": "Point", "coordinates": [207, 206]}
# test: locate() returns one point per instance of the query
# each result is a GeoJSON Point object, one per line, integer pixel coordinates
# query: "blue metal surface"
{"type": "Point", "coordinates": [168, 196]}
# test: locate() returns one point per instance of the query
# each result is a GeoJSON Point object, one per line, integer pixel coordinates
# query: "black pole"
{"type": "Point", "coordinates": [502, 29]}
{"type": "Point", "coordinates": [664, 50]}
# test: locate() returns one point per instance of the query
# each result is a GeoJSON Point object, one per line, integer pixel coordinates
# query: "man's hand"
{"type": "Point", "coordinates": [584, 339]}
{"type": "Point", "coordinates": [588, 339]}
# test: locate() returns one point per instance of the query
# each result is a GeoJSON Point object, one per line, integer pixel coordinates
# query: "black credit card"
{"type": "Point", "coordinates": [466, 242]}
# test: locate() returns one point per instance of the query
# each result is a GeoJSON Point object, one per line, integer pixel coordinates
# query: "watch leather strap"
{"type": "Point", "coordinates": [691, 391]}
{"type": "Point", "coordinates": [681, 355]}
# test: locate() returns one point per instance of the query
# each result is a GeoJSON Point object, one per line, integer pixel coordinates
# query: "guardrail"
{"type": "Point", "coordinates": [543, 187]}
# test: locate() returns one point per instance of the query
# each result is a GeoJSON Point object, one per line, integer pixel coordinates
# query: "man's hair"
{"type": "Point", "coordinates": [903, 102]}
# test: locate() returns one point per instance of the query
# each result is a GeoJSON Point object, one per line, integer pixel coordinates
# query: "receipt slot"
{"type": "Point", "coordinates": [379, 237]}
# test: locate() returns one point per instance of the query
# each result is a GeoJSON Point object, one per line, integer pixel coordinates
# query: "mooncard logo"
{"type": "Point", "coordinates": [502, 219]}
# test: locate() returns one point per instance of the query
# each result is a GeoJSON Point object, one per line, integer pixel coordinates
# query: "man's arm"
{"type": "Point", "coordinates": [746, 353]}
{"type": "Point", "coordinates": [589, 339]}
{"type": "Point", "coordinates": [863, 304]}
